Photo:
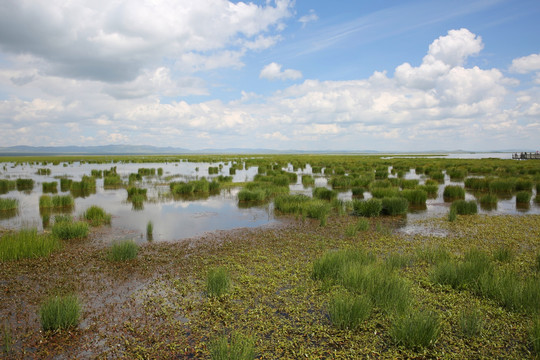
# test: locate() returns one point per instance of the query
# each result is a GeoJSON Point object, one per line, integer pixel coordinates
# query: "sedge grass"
{"type": "Point", "coordinates": [24, 184]}
{"type": "Point", "coordinates": [463, 207]}
{"type": "Point", "coordinates": [51, 187]}
{"type": "Point", "coordinates": [218, 282]}
{"type": "Point", "coordinates": [123, 250]}
{"type": "Point", "coordinates": [324, 193]}
{"type": "Point", "coordinates": [348, 311]}
{"type": "Point", "coordinates": [394, 206]}
{"type": "Point", "coordinates": [149, 230]}
{"type": "Point", "coordinates": [7, 339]}
{"type": "Point", "coordinates": [9, 204]}
{"type": "Point", "coordinates": [523, 197]}
{"type": "Point", "coordinates": [534, 336]}
{"type": "Point", "coordinates": [418, 329]}
{"type": "Point", "coordinates": [415, 196]}
{"type": "Point", "coordinates": [67, 229]}
{"type": "Point", "coordinates": [367, 208]}
{"type": "Point", "coordinates": [470, 322]}
{"type": "Point", "coordinates": [237, 346]}
{"type": "Point", "coordinates": [96, 216]}
{"type": "Point", "coordinates": [330, 266]}
{"type": "Point", "coordinates": [6, 185]}
{"type": "Point", "coordinates": [60, 312]}
{"type": "Point", "coordinates": [453, 192]}
{"type": "Point", "coordinates": [26, 243]}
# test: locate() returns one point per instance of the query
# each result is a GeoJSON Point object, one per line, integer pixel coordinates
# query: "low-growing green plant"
{"type": "Point", "coordinates": [6, 185]}
{"type": "Point", "coordinates": [291, 204]}
{"type": "Point", "coordinates": [464, 207]}
{"type": "Point", "coordinates": [397, 261]}
{"type": "Point", "coordinates": [477, 184]}
{"type": "Point", "coordinates": [317, 209]}
{"type": "Point", "coordinates": [433, 254]}
{"type": "Point", "coordinates": [149, 230]}
{"type": "Point", "coordinates": [358, 191]}
{"type": "Point", "coordinates": [367, 208]}
{"type": "Point", "coordinates": [414, 196]}
{"type": "Point", "coordinates": [470, 322]}
{"type": "Point", "coordinates": [534, 336]}
{"type": "Point", "coordinates": [453, 192]}
{"type": "Point", "coordinates": [523, 197]}
{"type": "Point", "coordinates": [324, 193]}
{"type": "Point", "coordinates": [452, 214]}
{"type": "Point", "coordinates": [349, 311]}
{"type": "Point", "coordinates": [382, 192]}
{"type": "Point", "coordinates": [60, 312]}
{"type": "Point", "coordinates": [408, 183]}
{"type": "Point", "coordinates": [331, 264]}
{"type": "Point", "coordinates": [96, 216]}
{"type": "Point", "coordinates": [394, 206]}
{"type": "Point", "coordinates": [489, 200]}
{"type": "Point", "coordinates": [418, 329]}
{"type": "Point", "coordinates": [308, 180]}
{"type": "Point", "coordinates": [26, 243]}
{"type": "Point", "coordinates": [65, 184]}
{"type": "Point", "coordinates": [502, 186]}
{"type": "Point", "coordinates": [123, 250]}
{"type": "Point", "coordinates": [24, 184]}
{"type": "Point", "coordinates": [112, 181]}
{"type": "Point", "coordinates": [66, 230]}
{"type": "Point", "coordinates": [361, 225]}
{"type": "Point", "coordinates": [51, 187]}
{"type": "Point", "coordinates": [8, 204]}
{"type": "Point", "coordinates": [218, 282]}
{"type": "Point", "coordinates": [7, 339]}
{"type": "Point", "coordinates": [235, 347]}
{"type": "Point", "coordinates": [503, 254]}
{"type": "Point", "coordinates": [431, 190]}
{"type": "Point", "coordinates": [255, 195]}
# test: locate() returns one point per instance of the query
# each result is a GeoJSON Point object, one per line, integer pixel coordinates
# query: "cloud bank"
{"type": "Point", "coordinates": [94, 73]}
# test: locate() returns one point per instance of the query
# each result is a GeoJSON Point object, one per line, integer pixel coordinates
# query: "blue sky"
{"type": "Point", "coordinates": [307, 75]}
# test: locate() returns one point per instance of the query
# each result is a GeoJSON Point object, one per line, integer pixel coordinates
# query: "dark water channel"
{"type": "Point", "coordinates": [183, 218]}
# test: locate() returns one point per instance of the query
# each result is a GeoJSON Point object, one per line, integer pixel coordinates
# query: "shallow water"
{"type": "Point", "coordinates": [183, 218]}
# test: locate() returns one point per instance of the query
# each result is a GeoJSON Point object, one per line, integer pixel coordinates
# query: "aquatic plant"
{"type": "Point", "coordinates": [463, 207]}
{"type": "Point", "coordinates": [317, 209]}
{"type": "Point", "coordinates": [6, 185]}
{"type": "Point", "coordinates": [418, 329]}
{"type": "Point", "coordinates": [433, 254]}
{"type": "Point", "coordinates": [349, 311]}
{"type": "Point", "coordinates": [453, 192]}
{"type": "Point", "coordinates": [414, 196]}
{"type": "Point", "coordinates": [146, 171]}
{"type": "Point", "coordinates": [470, 322]}
{"type": "Point", "coordinates": [24, 184]}
{"type": "Point", "coordinates": [96, 173]}
{"type": "Point", "coordinates": [502, 186]}
{"type": "Point", "coordinates": [65, 184]}
{"type": "Point", "coordinates": [331, 264]}
{"type": "Point", "coordinates": [308, 180]}
{"type": "Point", "coordinates": [489, 200]}
{"type": "Point", "coordinates": [324, 193]}
{"type": "Point", "coordinates": [534, 335]}
{"type": "Point", "coordinates": [149, 230]}
{"type": "Point", "coordinates": [408, 183]}
{"type": "Point", "coordinates": [368, 208]}
{"type": "Point", "coordinates": [7, 339]}
{"type": "Point", "coordinates": [218, 282]}
{"type": "Point", "coordinates": [113, 181]}
{"type": "Point", "coordinates": [51, 187]}
{"type": "Point", "coordinates": [96, 216]}
{"type": "Point", "coordinates": [503, 254]}
{"type": "Point", "coordinates": [523, 197]}
{"type": "Point", "coordinates": [66, 229]}
{"type": "Point", "coordinates": [255, 195]}
{"type": "Point", "coordinates": [26, 243]}
{"type": "Point", "coordinates": [44, 171]}
{"type": "Point", "coordinates": [8, 204]}
{"type": "Point", "coordinates": [382, 192]}
{"type": "Point", "coordinates": [123, 250]}
{"type": "Point", "coordinates": [477, 184]}
{"type": "Point", "coordinates": [237, 346]}
{"type": "Point", "coordinates": [60, 312]}
{"type": "Point", "coordinates": [394, 206]}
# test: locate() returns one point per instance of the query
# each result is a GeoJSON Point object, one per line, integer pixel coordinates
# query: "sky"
{"type": "Point", "coordinates": [388, 75]}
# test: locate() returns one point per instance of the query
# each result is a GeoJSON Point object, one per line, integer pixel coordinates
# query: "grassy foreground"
{"type": "Point", "coordinates": [156, 306]}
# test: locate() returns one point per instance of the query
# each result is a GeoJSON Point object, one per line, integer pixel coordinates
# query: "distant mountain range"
{"type": "Point", "coordinates": [23, 150]}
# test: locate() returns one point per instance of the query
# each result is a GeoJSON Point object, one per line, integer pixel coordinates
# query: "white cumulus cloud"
{"type": "Point", "coordinates": [526, 64]}
{"type": "Point", "coordinates": [273, 71]}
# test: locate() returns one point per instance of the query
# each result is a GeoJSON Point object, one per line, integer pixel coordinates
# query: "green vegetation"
{"type": "Point", "coordinates": [8, 204]}
{"type": "Point", "coordinates": [523, 197]}
{"type": "Point", "coordinates": [113, 181]}
{"type": "Point", "coordinates": [83, 188]}
{"type": "Point", "coordinates": [44, 171]}
{"type": "Point", "coordinates": [349, 311]}
{"type": "Point", "coordinates": [415, 196]}
{"type": "Point", "coordinates": [7, 340]}
{"type": "Point", "coordinates": [308, 180]}
{"type": "Point", "coordinates": [60, 312]}
{"type": "Point", "coordinates": [534, 336]}
{"type": "Point", "coordinates": [361, 225]}
{"type": "Point", "coordinates": [6, 186]}
{"type": "Point", "coordinates": [218, 282]}
{"type": "Point", "coordinates": [65, 184]}
{"type": "Point", "coordinates": [26, 243]}
{"type": "Point", "coordinates": [324, 193]}
{"type": "Point", "coordinates": [96, 216]}
{"type": "Point", "coordinates": [453, 192]}
{"type": "Point", "coordinates": [123, 250]}
{"type": "Point", "coordinates": [66, 228]}
{"type": "Point", "coordinates": [368, 208]}
{"type": "Point", "coordinates": [51, 187]}
{"type": "Point", "coordinates": [471, 322]}
{"type": "Point", "coordinates": [56, 201]}
{"type": "Point", "coordinates": [418, 329]}
{"type": "Point", "coordinates": [463, 207]}
{"type": "Point", "coordinates": [24, 184]}
{"type": "Point", "coordinates": [235, 347]}
{"type": "Point", "coordinates": [149, 230]}
{"type": "Point", "coordinates": [394, 206]}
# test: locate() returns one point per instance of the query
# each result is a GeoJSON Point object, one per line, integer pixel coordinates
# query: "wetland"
{"type": "Point", "coordinates": [260, 229]}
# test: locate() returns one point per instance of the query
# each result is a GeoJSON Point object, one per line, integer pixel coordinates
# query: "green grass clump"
{"type": "Point", "coordinates": [56, 201]}
{"type": "Point", "coordinates": [489, 200]}
{"type": "Point", "coordinates": [26, 243]}
{"type": "Point", "coordinates": [453, 192]}
{"type": "Point", "coordinates": [477, 184]}
{"type": "Point", "coordinates": [462, 274]}
{"type": "Point", "coordinates": [470, 322]}
{"type": "Point", "coordinates": [6, 185]}
{"type": "Point", "coordinates": [291, 204]}
{"type": "Point", "coordinates": [431, 190]}
{"type": "Point", "coordinates": [503, 254]}
{"type": "Point", "coordinates": [149, 230]}
{"type": "Point", "coordinates": [45, 202]}
{"type": "Point", "coordinates": [7, 340]}
{"type": "Point", "coordinates": [235, 347]}
{"type": "Point", "coordinates": [218, 282]}
{"type": "Point", "coordinates": [419, 329]}
{"type": "Point", "coordinates": [96, 216]}
{"type": "Point", "coordinates": [408, 183]}
{"type": "Point", "coordinates": [361, 225]}
{"type": "Point", "coordinates": [8, 204]}
{"type": "Point", "coordinates": [24, 184]}
{"type": "Point", "coordinates": [113, 181]}
{"type": "Point", "coordinates": [367, 208]}
{"type": "Point", "coordinates": [60, 312]}
{"type": "Point", "coordinates": [534, 336]}
{"type": "Point", "coordinates": [83, 188]}
{"type": "Point", "coordinates": [397, 261]}
{"type": "Point", "coordinates": [502, 186]}
{"type": "Point", "coordinates": [433, 254]}
{"type": "Point", "coordinates": [255, 195]}
{"type": "Point", "coordinates": [324, 193]}
{"type": "Point", "coordinates": [414, 196]}
{"type": "Point", "coordinates": [308, 180]}
{"type": "Point", "coordinates": [381, 192]}
{"type": "Point", "coordinates": [67, 229]}
{"type": "Point", "coordinates": [523, 197]}
{"type": "Point", "coordinates": [463, 207]}
{"type": "Point", "coordinates": [51, 187]}
{"type": "Point", "coordinates": [437, 176]}
{"type": "Point", "coordinates": [65, 184]}
{"type": "Point", "coordinates": [524, 185]}
{"type": "Point", "coordinates": [123, 250]}
{"type": "Point", "coordinates": [358, 191]}
{"type": "Point", "coordinates": [394, 206]}
{"type": "Point", "coordinates": [349, 311]}
{"type": "Point", "coordinates": [330, 266]}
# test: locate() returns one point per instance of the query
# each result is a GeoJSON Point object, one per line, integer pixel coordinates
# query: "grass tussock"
{"type": "Point", "coordinates": [534, 336]}
{"type": "Point", "coordinates": [463, 207]}
{"type": "Point", "coordinates": [453, 192]}
{"type": "Point", "coordinates": [418, 329]}
{"type": "Point", "coordinates": [236, 346]}
{"type": "Point", "coordinates": [415, 196]}
{"type": "Point", "coordinates": [218, 282]}
{"type": "Point", "coordinates": [24, 184]}
{"type": "Point", "coordinates": [96, 216]}
{"type": "Point", "coordinates": [394, 206]}
{"type": "Point", "coordinates": [50, 187]}
{"type": "Point", "coordinates": [66, 228]}
{"type": "Point", "coordinates": [367, 208]}
{"type": "Point", "coordinates": [523, 197]}
{"type": "Point", "coordinates": [26, 243]}
{"type": "Point", "coordinates": [60, 312]}
{"type": "Point", "coordinates": [123, 250]}
{"type": "Point", "coordinates": [471, 322]}
{"type": "Point", "coordinates": [349, 311]}
{"type": "Point", "coordinates": [8, 204]}
{"type": "Point", "coordinates": [6, 185]}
